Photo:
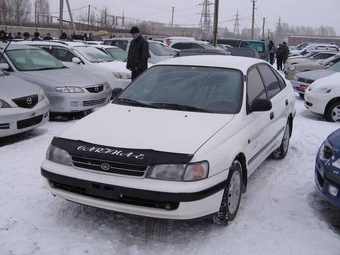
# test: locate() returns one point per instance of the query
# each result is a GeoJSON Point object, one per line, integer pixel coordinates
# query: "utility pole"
{"type": "Point", "coordinates": [35, 15]}
{"type": "Point", "coordinates": [253, 20]}
{"type": "Point", "coordinates": [172, 20]}
{"type": "Point", "coordinates": [215, 22]}
{"type": "Point", "coordinates": [61, 9]}
{"type": "Point", "coordinates": [237, 25]}
{"type": "Point", "coordinates": [88, 18]}
{"type": "Point", "coordinates": [71, 16]}
{"type": "Point", "coordinates": [264, 21]}
{"type": "Point", "coordinates": [268, 34]}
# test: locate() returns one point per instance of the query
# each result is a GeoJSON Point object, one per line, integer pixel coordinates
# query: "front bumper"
{"type": "Point", "coordinates": [324, 177]}
{"type": "Point", "coordinates": [144, 197]}
{"type": "Point", "coordinates": [316, 102]}
{"type": "Point", "coordinates": [18, 120]}
{"type": "Point", "coordinates": [77, 102]}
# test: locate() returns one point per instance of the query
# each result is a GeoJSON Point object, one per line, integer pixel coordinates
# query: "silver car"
{"type": "Point", "coordinates": [69, 90]}
{"type": "Point", "coordinates": [23, 105]}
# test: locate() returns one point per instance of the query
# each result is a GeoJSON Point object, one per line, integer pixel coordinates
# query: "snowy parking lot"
{"type": "Point", "coordinates": [281, 213]}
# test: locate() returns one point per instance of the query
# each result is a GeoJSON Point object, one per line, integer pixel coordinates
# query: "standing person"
{"type": "Point", "coordinates": [279, 57]}
{"type": "Point", "coordinates": [63, 36]}
{"type": "Point", "coordinates": [138, 55]}
{"type": "Point", "coordinates": [48, 37]}
{"type": "Point", "coordinates": [26, 36]}
{"type": "Point", "coordinates": [3, 36]}
{"type": "Point", "coordinates": [85, 37]}
{"type": "Point", "coordinates": [285, 53]}
{"type": "Point", "coordinates": [36, 37]}
{"type": "Point", "coordinates": [18, 36]}
{"type": "Point", "coordinates": [271, 48]}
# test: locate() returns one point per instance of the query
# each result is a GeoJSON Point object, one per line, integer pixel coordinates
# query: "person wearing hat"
{"type": "Point", "coordinates": [137, 61]}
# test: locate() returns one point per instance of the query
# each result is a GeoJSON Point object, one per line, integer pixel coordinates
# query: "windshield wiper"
{"type": "Point", "coordinates": [179, 107]}
{"type": "Point", "coordinates": [132, 102]}
{"type": "Point", "coordinates": [49, 68]}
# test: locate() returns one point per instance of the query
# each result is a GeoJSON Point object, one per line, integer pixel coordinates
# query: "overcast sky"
{"type": "Point", "coordinates": [187, 12]}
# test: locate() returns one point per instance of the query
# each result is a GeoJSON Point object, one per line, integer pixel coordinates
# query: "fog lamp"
{"type": "Point", "coordinates": [332, 190]}
{"type": "Point", "coordinates": [74, 104]}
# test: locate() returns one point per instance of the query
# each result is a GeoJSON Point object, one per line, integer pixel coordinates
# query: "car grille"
{"type": "Point", "coordinates": [306, 80]}
{"type": "Point", "coordinates": [95, 89]}
{"type": "Point", "coordinates": [94, 102]}
{"type": "Point", "coordinates": [109, 166]}
{"type": "Point", "coordinates": [26, 102]}
{"type": "Point", "coordinates": [4, 126]}
{"type": "Point", "coordinates": [29, 122]}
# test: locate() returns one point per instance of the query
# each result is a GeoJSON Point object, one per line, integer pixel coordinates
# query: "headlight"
{"type": "Point", "coordinates": [185, 172]}
{"type": "Point", "coordinates": [69, 89]}
{"type": "Point", "coordinates": [41, 95]}
{"type": "Point", "coordinates": [106, 85]}
{"type": "Point", "coordinates": [327, 151]}
{"type": "Point", "coordinates": [292, 68]}
{"type": "Point", "coordinates": [3, 104]}
{"type": "Point", "coordinates": [58, 155]}
{"type": "Point", "coordinates": [122, 75]}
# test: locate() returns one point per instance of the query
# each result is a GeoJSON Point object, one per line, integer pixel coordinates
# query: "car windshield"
{"type": "Point", "coordinates": [158, 49]}
{"type": "Point", "coordinates": [326, 61]}
{"type": "Point", "coordinates": [335, 67]}
{"type": "Point", "coordinates": [93, 55]}
{"type": "Point", "coordinates": [187, 88]}
{"type": "Point", "coordinates": [301, 46]}
{"type": "Point", "coordinates": [259, 46]}
{"type": "Point", "coordinates": [33, 60]}
{"type": "Point", "coordinates": [117, 53]}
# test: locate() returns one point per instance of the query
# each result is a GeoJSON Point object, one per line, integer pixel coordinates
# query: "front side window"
{"type": "Point", "coordinates": [62, 54]}
{"type": "Point", "coordinates": [92, 54]}
{"type": "Point", "coordinates": [117, 53]}
{"type": "Point", "coordinates": [187, 88]}
{"type": "Point", "coordinates": [158, 49]}
{"type": "Point", "coordinates": [270, 81]}
{"type": "Point", "coordinates": [255, 87]}
{"type": "Point", "coordinates": [33, 60]}
{"type": "Point", "coordinates": [120, 44]}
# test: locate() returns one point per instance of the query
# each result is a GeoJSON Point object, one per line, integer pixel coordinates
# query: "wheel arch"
{"type": "Point", "coordinates": [330, 103]}
{"type": "Point", "coordinates": [242, 158]}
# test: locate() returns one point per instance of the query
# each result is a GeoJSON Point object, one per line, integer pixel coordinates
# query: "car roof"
{"type": "Point", "coordinates": [103, 46]}
{"type": "Point", "coordinates": [192, 52]}
{"type": "Point", "coordinates": [14, 46]}
{"type": "Point", "coordinates": [214, 61]}
{"type": "Point", "coordinates": [53, 42]}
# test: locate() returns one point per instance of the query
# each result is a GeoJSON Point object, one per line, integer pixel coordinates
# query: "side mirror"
{"type": "Point", "coordinates": [261, 105]}
{"type": "Point", "coordinates": [4, 66]}
{"type": "Point", "coordinates": [76, 60]}
{"type": "Point", "coordinates": [116, 92]}
{"type": "Point", "coordinates": [331, 63]}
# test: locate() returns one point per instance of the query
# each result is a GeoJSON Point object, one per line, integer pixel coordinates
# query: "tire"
{"type": "Point", "coordinates": [302, 95]}
{"type": "Point", "coordinates": [333, 112]}
{"type": "Point", "coordinates": [282, 151]}
{"type": "Point", "coordinates": [231, 196]}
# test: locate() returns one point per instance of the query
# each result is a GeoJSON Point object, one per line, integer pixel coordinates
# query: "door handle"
{"type": "Point", "coordinates": [271, 115]}
{"type": "Point", "coordinates": [286, 102]}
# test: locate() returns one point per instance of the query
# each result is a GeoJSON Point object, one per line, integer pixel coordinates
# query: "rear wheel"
{"type": "Point", "coordinates": [281, 152]}
{"type": "Point", "coordinates": [333, 112]}
{"type": "Point", "coordinates": [232, 195]}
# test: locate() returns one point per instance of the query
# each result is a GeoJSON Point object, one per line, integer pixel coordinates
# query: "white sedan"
{"type": "Point", "coordinates": [181, 142]}
{"type": "Point", "coordinates": [322, 97]}
{"type": "Point", "coordinates": [23, 105]}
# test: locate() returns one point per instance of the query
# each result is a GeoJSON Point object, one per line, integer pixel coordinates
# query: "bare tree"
{"type": "Point", "coordinates": [18, 11]}
{"type": "Point", "coordinates": [3, 11]}
{"type": "Point", "coordinates": [42, 11]}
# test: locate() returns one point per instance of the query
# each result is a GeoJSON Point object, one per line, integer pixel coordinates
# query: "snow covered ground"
{"type": "Point", "coordinates": [281, 212]}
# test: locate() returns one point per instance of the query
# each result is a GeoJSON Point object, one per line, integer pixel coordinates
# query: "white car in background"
{"type": "Point", "coordinates": [88, 59]}
{"type": "Point", "coordinates": [113, 51]}
{"type": "Point", "coordinates": [23, 105]}
{"type": "Point", "coordinates": [323, 97]}
{"type": "Point", "coordinates": [157, 50]}
{"type": "Point", "coordinates": [190, 132]}
{"type": "Point", "coordinates": [311, 47]}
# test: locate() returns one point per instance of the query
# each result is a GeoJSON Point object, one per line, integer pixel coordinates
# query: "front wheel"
{"type": "Point", "coordinates": [333, 112]}
{"type": "Point", "coordinates": [231, 196]}
{"type": "Point", "coordinates": [281, 152]}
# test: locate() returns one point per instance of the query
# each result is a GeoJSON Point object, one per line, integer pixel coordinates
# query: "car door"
{"type": "Point", "coordinates": [258, 122]}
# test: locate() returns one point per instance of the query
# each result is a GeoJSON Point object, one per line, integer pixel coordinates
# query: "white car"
{"type": "Point", "coordinates": [187, 135]}
{"type": "Point", "coordinates": [313, 46]}
{"type": "Point", "coordinates": [23, 105]}
{"type": "Point", "coordinates": [113, 51]}
{"type": "Point", "coordinates": [88, 59]}
{"type": "Point", "coordinates": [322, 97]}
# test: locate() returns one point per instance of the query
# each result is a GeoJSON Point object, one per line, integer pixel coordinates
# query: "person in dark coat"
{"type": "Point", "coordinates": [63, 36]}
{"type": "Point", "coordinates": [36, 37]}
{"type": "Point", "coordinates": [285, 52]}
{"type": "Point", "coordinates": [271, 48]}
{"type": "Point", "coordinates": [18, 36]}
{"type": "Point", "coordinates": [26, 36]}
{"type": "Point", "coordinates": [137, 61]}
{"type": "Point", "coordinates": [3, 36]}
{"type": "Point", "coordinates": [279, 57]}
{"type": "Point", "coordinates": [48, 37]}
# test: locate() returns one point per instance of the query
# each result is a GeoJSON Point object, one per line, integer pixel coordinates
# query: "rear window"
{"type": "Point", "coordinates": [258, 46]}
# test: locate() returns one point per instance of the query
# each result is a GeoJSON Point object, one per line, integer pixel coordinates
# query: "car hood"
{"type": "Point", "coordinates": [14, 87]}
{"type": "Point", "coordinates": [147, 128]}
{"type": "Point", "coordinates": [330, 81]}
{"type": "Point", "coordinates": [314, 75]}
{"type": "Point", "coordinates": [66, 77]}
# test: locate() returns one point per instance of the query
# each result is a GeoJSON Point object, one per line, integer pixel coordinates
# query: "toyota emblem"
{"type": "Point", "coordinates": [29, 101]}
{"type": "Point", "coordinates": [105, 166]}
{"type": "Point", "coordinates": [96, 89]}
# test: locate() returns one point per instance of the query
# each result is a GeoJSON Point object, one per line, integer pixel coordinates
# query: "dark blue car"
{"type": "Point", "coordinates": [327, 168]}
